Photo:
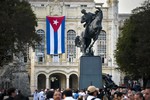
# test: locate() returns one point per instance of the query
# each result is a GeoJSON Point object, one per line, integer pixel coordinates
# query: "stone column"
{"type": "Point", "coordinates": [33, 76]}
{"type": "Point", "coordinates": [36, 82]}
{"type": "Point", "coordinates": [67, 82]}
{"type": "Point", "coordinates": [47, 82]}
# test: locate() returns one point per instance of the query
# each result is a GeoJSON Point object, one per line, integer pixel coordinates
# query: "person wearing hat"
{"type": "Point", "coordinates": [92, 93]}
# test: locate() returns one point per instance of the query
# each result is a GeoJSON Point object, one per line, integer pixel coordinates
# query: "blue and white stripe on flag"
{"type": "Point", "coordinates": [55, 34]}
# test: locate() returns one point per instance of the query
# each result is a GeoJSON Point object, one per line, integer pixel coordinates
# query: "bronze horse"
{"type": "Point", "coordinates": [90, 34]}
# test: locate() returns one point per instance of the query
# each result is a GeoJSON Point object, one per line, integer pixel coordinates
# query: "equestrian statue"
{"type": "Point", "coordinates": [92, 24]}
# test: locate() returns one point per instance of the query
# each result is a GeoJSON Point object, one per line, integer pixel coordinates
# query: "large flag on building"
{"type": "Point", "coordinates": [55, 34]}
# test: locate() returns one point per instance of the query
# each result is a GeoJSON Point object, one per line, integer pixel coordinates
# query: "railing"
{"type": "Point", "coordinates": [63, 64]}
{"type": "Point", "coordinates": [104, 65]}
{"type": "Point", "coordinates": [56, 64]}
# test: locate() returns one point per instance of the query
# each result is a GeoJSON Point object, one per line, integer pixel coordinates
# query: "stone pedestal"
{"type": "Point", "coordinates": [90, 72]}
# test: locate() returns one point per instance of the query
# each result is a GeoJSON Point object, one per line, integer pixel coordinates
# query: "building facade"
{"type": "Point", "coordinates": [62, 71]}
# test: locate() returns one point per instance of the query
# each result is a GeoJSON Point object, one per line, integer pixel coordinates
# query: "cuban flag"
{"type": "Point", "coordinates": [55, 34]}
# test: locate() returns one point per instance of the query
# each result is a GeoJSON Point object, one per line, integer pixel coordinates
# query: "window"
{"type": "Point", "coordinates": [67, 6]}
{"type": "Point", "coordinates": [101, 47]}
{"type": "Point", "coordinates": [40, 48]}
{"type": "Point", "coordinates": [42, 4]}
{"type": "Point", "coordinates": [55, 58]}
{"type": "Point", "coordinates": [83, 6]}
{"type": "Point", "coordinates": [40, 59]}
{"type": "Point", "coordinates": [25, 59]}
{"type": "Point", "coordinates": [71, 49]}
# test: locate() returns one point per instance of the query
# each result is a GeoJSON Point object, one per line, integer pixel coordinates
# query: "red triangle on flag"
{"type": "Point", "coordinates": [55, 21]}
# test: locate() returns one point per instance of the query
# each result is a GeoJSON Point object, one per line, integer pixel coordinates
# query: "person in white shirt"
{"type": "Point", "coordinates": [35, 95]}
{"type": "Point", "coordinates": [82, 94]}
{"type": "Point", "coordinates": [92, 93]}
{"type": "Point", "coordinates": [41, 95]}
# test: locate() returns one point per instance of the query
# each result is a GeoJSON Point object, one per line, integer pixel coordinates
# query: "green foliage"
{"type": "Point", "coordinates": [133, 46]}
{"type": "Point", "coordinates": [17, 28]}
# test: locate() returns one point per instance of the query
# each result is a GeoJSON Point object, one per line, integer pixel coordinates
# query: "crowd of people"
{"type": "Point", "coordinates": [12, 94]}
{"type": "Point", "coordinates": [91, 93]}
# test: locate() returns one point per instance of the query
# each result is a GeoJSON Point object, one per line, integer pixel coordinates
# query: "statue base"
{"type": "Point", "coordinates": [90, 72]}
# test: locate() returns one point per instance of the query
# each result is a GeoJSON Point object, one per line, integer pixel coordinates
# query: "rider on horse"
{"type": "Point", "coordinates": [92, 30]}
{"type": "Point", "coordinates": [88, 16]}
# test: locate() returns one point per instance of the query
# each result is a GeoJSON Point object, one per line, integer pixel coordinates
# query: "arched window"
{"type": "Point", "coordinates": [39, 50]}
{"type": "Point", "coordinates": [71, 49]}
{"type": "Point", "coordinates": [102, 45]}
{"type": "Point", "coordinates": [42, 34]}
{"type": "Point", "coordinates": [41, 81]}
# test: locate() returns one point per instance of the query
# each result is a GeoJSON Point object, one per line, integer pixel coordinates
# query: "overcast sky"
{"type": "Point", "coordinates": [125, 6]}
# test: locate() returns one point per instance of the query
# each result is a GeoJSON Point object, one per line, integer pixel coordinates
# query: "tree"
{"type": "Point", "coordinates": [133, 46]}
{"type": "Point", "coordinates": [17, 29]}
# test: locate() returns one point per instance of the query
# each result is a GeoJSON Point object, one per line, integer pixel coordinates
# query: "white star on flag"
{"type": "Point", "coordinates": [55, 22]}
